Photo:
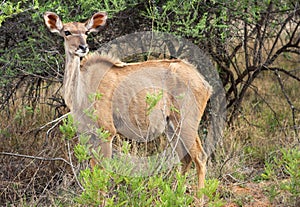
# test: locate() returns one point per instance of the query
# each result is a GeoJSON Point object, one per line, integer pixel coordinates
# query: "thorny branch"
{"type": "Point", "coordinates": [35, 157]}
{"type": "Point", "coordinates": [259, 58]}
{"type": "Point", "coordinates": [290, 104]}
{"type": "Point", "coordinates": [49, 159]}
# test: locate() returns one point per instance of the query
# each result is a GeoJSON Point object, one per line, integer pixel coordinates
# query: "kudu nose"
{"type": "Point", "coordinates": [83, 47]}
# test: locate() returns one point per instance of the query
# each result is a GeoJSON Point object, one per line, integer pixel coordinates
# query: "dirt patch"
{"type": "Point", "coordinates": [248, 195]}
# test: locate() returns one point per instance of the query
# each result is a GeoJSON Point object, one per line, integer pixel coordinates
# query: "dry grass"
{"type": "Point", "coordinates": [23, 180]}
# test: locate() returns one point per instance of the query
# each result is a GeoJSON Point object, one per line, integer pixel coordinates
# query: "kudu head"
{"type": "Point", "coordinates": [75, 33]}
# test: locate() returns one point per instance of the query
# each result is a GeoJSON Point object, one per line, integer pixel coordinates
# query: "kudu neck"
{"type": "Point", "coordinates": [72, 68]}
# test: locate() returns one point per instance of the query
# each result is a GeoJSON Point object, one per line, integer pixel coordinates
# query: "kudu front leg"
{"type": "Point", "coordinates": [103, 146]}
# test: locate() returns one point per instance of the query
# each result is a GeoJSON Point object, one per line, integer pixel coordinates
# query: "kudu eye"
{"type": "Point", "coordinates": [67, 33]}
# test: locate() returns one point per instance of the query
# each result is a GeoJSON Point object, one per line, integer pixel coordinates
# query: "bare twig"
{"type": "Point", "coordinates": [233, 179]}
{"type": "Point", "coordinates": [49, 159]}
{"type": "Point", "coordinates": [289, 102]}
{"type": "Point", "coordinates": [35, 157]}
{"type": "Point", "coordinates": [270, 107]}
{"type": "Point", "coordinates": [72, 166]}
{"type": "Point", "coordinates": [55, 120]}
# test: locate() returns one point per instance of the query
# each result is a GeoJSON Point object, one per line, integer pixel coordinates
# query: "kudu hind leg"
{"type": "Point", "coordinates": [196, 154]}
{"type": "Point", "coordinates": [199, 157]}
{"type": "Point", "coordinates": [188, 154]}
{"type": "Point", "coordinates": [186, 162]}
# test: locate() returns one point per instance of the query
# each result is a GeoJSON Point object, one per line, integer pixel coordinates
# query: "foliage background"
{"type": "Point", "coordinates": [255, 46]}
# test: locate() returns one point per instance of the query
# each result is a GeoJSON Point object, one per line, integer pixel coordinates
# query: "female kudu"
{"type": "Point", "coordinates": [123, 108]}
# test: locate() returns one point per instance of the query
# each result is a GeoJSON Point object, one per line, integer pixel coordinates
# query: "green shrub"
{"type": "Point", "coordinates": [118, 182]}
{"type": "Point", "coordinates": [287, 166]}
{"type": "Point", "coordinates": [211, 192]}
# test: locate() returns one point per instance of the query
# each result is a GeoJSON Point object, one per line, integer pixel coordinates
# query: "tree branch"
{"type": "Point", "coordinates": [289, 102]}
{"type": "Point", "coordinates": [35, 157]}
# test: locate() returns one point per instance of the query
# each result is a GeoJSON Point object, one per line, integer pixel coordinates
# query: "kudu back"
{"type": "Point", "coordinates": [138, 100]}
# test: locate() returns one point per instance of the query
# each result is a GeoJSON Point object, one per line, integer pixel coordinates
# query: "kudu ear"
{"type": "Point", "coordinates": [96, 21]}
{"type": "Point", "coordinates": [53, 22]}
